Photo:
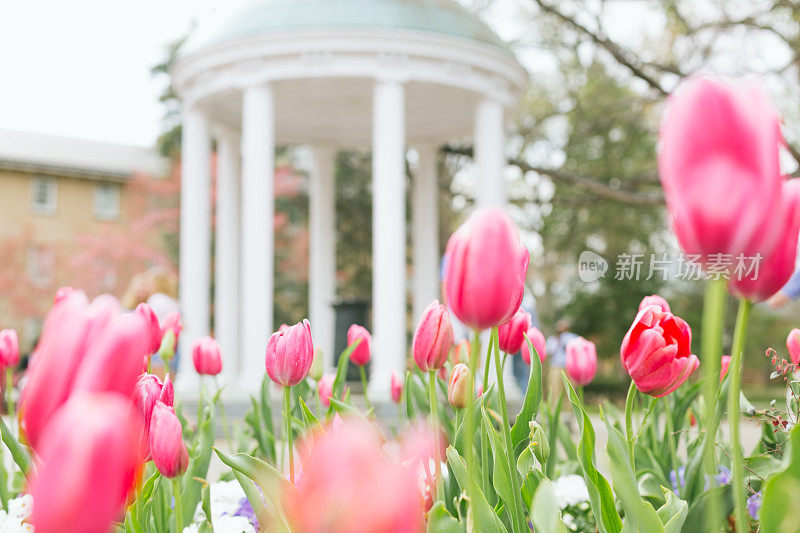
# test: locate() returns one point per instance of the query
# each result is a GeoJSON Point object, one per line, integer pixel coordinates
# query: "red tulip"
{"type": "Point", "coordinates": [485, 268]}
{"type": "Point", "coordinates": [656, 300]}
{"type": "Point", "coordinates": [325, 389]}
{"type": "Point", "coordinates": [396, 388]}
{"type": "Point", "coordinates": [360, 356]}
{"type": "Point", "coordinates": [433, 338]}
{"type": "Point", "coordinates": [657, 352]}
{"type": "Point", "coordinates": [460, 386]}
{"type": "Point", "coordinates": [581, 360]}
{"type": "Point", "coordinates": [511, 334]}
{"type": "Point", "coordinates": [89, 458]}
{"type": "Point", "coordinates": [172, 322]}
{"type": "Point", "coordinates": [720, 140]}
{"type": "Point", "coordinates": [155, 328]}
{"type": "Point", "coordinates": [289, 354]}
{"type": "Point", "coordinates": [206, 357]}
{"type": "Point", "coordinates": [166, 442]}
{"type": "Point", "coordinates": [793, 345]}
{"type": "Point", "coordinates": [83, 347]}
{"type": "Point", "coordinates": [725, 363]}
{"type": "Point", "coordinates": [9, 348]}
{"type": "Point", "coordinates": [349, 484]}
{"type": "Point", "coordinates": [537, 339]}
{"type": "Point", "coordinates": [777, 266]}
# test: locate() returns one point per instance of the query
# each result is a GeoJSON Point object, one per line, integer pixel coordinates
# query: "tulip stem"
{"type": "Point", "coordinates": [486, 365]}
{"type": "Point", "coordinates": [176, 493]}
{"type": "Point", "coordinates": [629, 401]}
{"type": "Point", "coordinates": [9, 393]}
{"type": "Point", "coordinates": [512, 467]}
{"type": "Point", "coordinates": [435, 427]}
{"type": "Point", "coordinates": [469, 430]}
{"type": "Point", "coordinates": [734, 411]}
{"type": "Point", "coordinates": [711, 345]}
{"type": "Point", "coordinates": [363, 373]}
{"type": "Point", "coordinates": [287, 413]}
{"type": "Point", "coordinates": [225, 422]}
{"type": "Point", "coordinates": [670, 435]}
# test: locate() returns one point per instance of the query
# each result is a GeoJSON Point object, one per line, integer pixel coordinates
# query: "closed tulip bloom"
{"type": "Point", "coordinates": [9, 348]}
{"type": "Point", "coordinates": [325, 389]}
{"type": "Point", "coordinates": [155, 328]}
{"type": "Point", "coordinates": [148, 392]}
{"type": "Point", "coordinates": [167, 392]}
{"type": "Point", "coordinates": [720, 140]}
{"type": "Point", "coordinates": [774, 268]}
{"type": "Point", "coordinates": [537, 339]}
{"type": "Point", "coordinates": [460, 386]}
{"type": "Point", "coordinates": [725, 363]}
{"type": "Point", "coordinates": [656, 300]}
{"type": "Point", "coordinates": [89, 458]}
{"type": "Point", "coordinates": [289, 354]}
{"type": "Point", "coordinates": [511, 334]}
{"type": "Point", "coordinates": [461, 352]}
{"type": "Point", "coordinates": [84, 346]}
{"type": "Point", "coordinates": [172, 322]}
{"type": "Point", "coordinates": [793, 345]}
{"type": "Point", "coordinates": [485, 268]}
{"type": "Point", "coordinates": [166, 445]}
{"type": "Point", "coordinates": [206, 356]}
{"type": "Point", "coordinates": [657, 352]}
{"type": "Point", "coordinates": [396, 388]}
{"type": "Point", "coordinates": [433, 338]}
{"type": "Point", "coordinates": [360, 356]}
{"type": "Point", "coordinates": [317, 365]}
{"type": "Point", "coordinates": [581, 361]}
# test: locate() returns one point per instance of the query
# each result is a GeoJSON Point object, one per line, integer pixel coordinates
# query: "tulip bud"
{"type": "Point", "coordinates": [167, 349]}
{"type": "Point", "coordinates": [537, 339]}
{"type": "Point", "coordinates": [458, 389]}
{"type": "Point", "coordinates": [793, 345]}
{"type": "Point", "coordinates": [167, 395]}
{"type": "Point", "coordinates": [511, 334]}
{"type": "Point", "coordinates": [433, 337]}
{"type": "Point", "coordinates": [325, 389]}
{"type": "Point", "coordinates": [461, 352]}
{"type": "Point", "coordinates": [539, 445]}
{"type": "Point", "coordinates": [289, 354]}
{"type": "Point", "coordinates": [317, 365]}
{"type": "Point", "coordinates": [155, 328]}
{"type": "Point", "coordinates": [206, 356]}
{"type": "Point", "coordinates": [396, 388]}
{"type": "Point", "coordinates": [581, 361]}
{"type": "Point", "coordinates": [166, 442]}
{"type": "Point", "coordinates": [725, 363]}
{"type": "Point", "coordinates": [360, 356]}
{"type": "Point", "coordinates": [172, 323]}
{"type": "Point", "coordinates": [9, 348]}
{"type": "Point", "coordinates": [656, 300]}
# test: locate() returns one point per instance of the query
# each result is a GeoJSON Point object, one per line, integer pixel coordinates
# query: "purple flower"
{"type": "Point", "coordinates": [246, 510]}
{"type": "Point", "coordinates": [723, 476]}
{"type": "Point", "coordinates": [679, 477]}
{"type": "Point", "coordinates": [754, 505]}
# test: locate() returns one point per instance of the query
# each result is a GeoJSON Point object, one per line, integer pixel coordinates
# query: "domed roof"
{"type": "Point", "coordinates": [443, 17]}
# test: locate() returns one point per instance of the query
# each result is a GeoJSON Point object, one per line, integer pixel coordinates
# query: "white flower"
{"type": "Point", "coordinates": [226, 498]}
{"type": "Point", "coordinates": [21, 507]}
{"type": "Point", "coordinates": [570, 490]}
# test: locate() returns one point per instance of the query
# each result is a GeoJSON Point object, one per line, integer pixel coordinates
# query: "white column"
{"type": "Point", "coordinates": [258, 210]}
{"type": "Point", "coordinates": [388, 236]}
{"type": "Point", "coordinates": [226, 285]}
{"type": "Point", "coordinates": [322, 251]}
{"type": "Point", "coordinates": [195, 234]}
{"type": "Point", "coordinates": [490, 153]}
{"type": "Point", "coordinates": [425, 230]}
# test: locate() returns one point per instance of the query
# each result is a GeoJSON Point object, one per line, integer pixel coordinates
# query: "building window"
{"type": "Point", "coordinates": [44, 196]}
{"type": "Point", "coordinates": [106, 201]}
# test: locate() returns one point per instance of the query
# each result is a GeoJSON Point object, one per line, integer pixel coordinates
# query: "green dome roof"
{"type": "Point", "coordinates": [444, 17]}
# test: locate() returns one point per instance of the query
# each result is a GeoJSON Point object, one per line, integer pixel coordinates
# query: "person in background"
{"type": "Point", "coordinates": [789, 292]}
{"type": "Point", "coordinates": [557, 355]}
{"type": "Point", "coordinates": [163, 301]}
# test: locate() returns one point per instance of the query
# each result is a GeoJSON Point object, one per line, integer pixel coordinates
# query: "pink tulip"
{"type": "Point", "coordinates": [721, 141]}
{"type": "Point", "coordinates": [433, 337]}
{"type": "Point", "coordinates": [167, 392]}
{"type": "Point", "coordinates": [84, 346]}
{"type": "Point", "coordinates": [777, 266]}
{"type": "Point", "coordinates": [62, 293]}
{"type": "Point", "coordinates": [793, 345]}
{"type": "Point", "coordinates": [485, 268]}
{"type": "Point", "coordinates": [537, 339]}
{"type": "Point", "coordinates": [166, 442]}
{"type": "Point", "coordinates": [172, 322]}
{"type": "Point", "coordinates": [148, 392]}
{"type": "Point", "coordinates": [325, 389]}
{"type": "Point", "coordinates": [396, 388]}
{"type": "Point", "coordinates": [289, 354]}
{"type": "Point", "coordinates": [656, 300]}
{"type": "Point", "coordinates": [89, 459]}
{"type": "Point", "coordinates": [362, 353]}
{"type": "Point", "coordinates": [657, 352]}
{"type": "Point", "coordinates": [460, 386]}
{"type": "Point", "coordinates": [9, 348]}
{"type": "Point", "coordinates": [725, 363]}
{"type": "Point", "coordinates": [511, 334]}
{"type": "Point", "coordinates": [206, 357]}
{"type": "Point", "coordinates": [155, 328]}
{"type": "Point", "coordinates": [581, 361]}
{"type": "Point", "coordinates": [349, 484]}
